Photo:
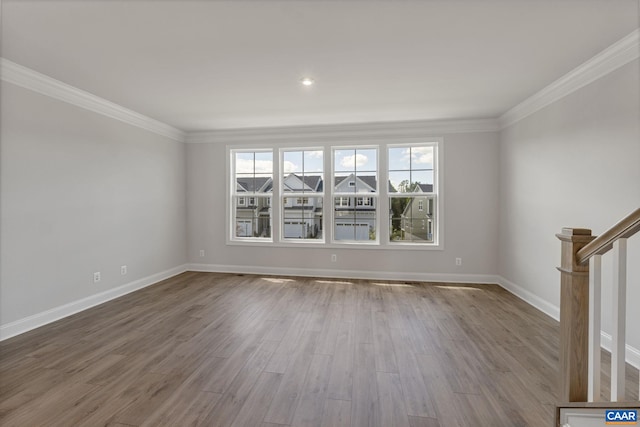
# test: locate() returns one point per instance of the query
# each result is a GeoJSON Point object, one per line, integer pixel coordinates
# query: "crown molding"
{"type": "Point", "coordinates": [346, 132]}
{"type": "Point", "coordinates": [30, 79]}
{"type": "Point", "coordinates": [615, 56]}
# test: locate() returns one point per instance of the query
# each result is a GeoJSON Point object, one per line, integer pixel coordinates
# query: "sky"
{"type": "Point", "coordinates": [413, 164]}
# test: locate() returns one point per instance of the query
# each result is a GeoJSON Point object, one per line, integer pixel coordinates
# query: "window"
{"type": "Point", "coordinates": [355, 172]}
{"type": "Point", "coordinates": [252, 183]}
{"type": "Point", "coordinates": [364, 201]}
{"type": "Point", "coordinates": [302, 182]}
{"type": "Point", "coordinates": [342, 201]}
{"type": "Point", "coordinates": [334, 195]}
{"type": "Point", "coordinates": [412, 193]}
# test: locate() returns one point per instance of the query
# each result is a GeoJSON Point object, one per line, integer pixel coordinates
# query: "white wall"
{"type": "Point", "coordinates": [575, 163]}
{"type": "Point", "coordinates": [470, 222]}
{"type": "Point", "coordinates": [82, 193]}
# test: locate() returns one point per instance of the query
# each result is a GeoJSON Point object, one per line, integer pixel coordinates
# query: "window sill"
{"type": "Point", "coordinates": [346, 245]}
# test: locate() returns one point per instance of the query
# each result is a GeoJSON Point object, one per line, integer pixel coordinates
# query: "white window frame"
{"type": "Point", "coordinates": [354, 196]}
{"type": "Point", "coordinates": [296, 196]}
{"type": "Point", "coordinates": [382, 207]}
{"type": "Point", "coordinates": [235, 197]}
{"type": "Point", "coordinates": [437, 144]}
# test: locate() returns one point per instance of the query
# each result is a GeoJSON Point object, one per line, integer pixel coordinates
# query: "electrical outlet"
{"type": "Point", "coordinates": [96, 277]}
{"type": "Point", "coordinates": [334, 257]}
{"type": "Point", "coordinates": [201, 253]}
{"type": "Point", "coordinates": [458, 261]}
{"type": "Point", "coordinates": [123, 270]}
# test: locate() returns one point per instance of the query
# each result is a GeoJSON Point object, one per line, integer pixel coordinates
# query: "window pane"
{"type": "Point", "coordinates": [302, 180]}
{"type": "Point", "coordinates": [344, 183]}
{"type": "Point", "coordinates": [251, 207]}
{"type": "Point", "coordinates": [302, 218]}
{"type": "Point", "coordinates": [366, 183]}
{"type": "Point", "coordinates": [400, 180]}
{"type": "Point", "coordinates": [422, 177]}
{"type": "Point", "coordinates": [245, 183]}
{"type": "Point", "coordinates": [264, 162]}
{"type": "Point", "coordinates": [292, 162]}
{"type": "Point", "coordinates": [399, 158]}
{"type": "Point", "coordinates": [411, 171]}
{"type": "Point", "coordinates": [302, 171]}
{"type": "Point", "coordinates": [354, 219]}
{"type": "Point", "coordinates": [412, 219]}
{"type": "Point", "coordinates": [313, 161]}
{"type": "Point", "coordinates": [422, 157]}
{"type": "Point", "coordinates": [252, 219]}
{"type": "Point", "coordinates": [244, 163]}
{"type": "Point", "coordinates": [366, 160]}
{"type": "Point", "coordinates": [344, 160]}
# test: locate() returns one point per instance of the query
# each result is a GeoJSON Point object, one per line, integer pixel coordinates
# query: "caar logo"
{"type": "Point", "coordinates": [621, 416]}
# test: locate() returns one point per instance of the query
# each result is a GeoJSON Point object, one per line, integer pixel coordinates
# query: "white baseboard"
{"type": "Point", "coordinates": [530, 298]}
{"type": "Point", "coordinates": [632, 354]}
{"type": "Point", "coordinates": [346, 274]}
{"type": "Point", "coordinates": [28, 323]}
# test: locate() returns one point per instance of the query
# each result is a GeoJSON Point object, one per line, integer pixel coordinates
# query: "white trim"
{"type": "Point", "coordinates": [632, 354]}
{"type": "Point", "coordinates": [40, 319]}
{"type": "Point", "coordinates": [345, 274]}
{"type": "Point", "coordinates": [615, 56]}
{"type": "Point", "coordinates": [30, 79]}
{"type": "Point", "coordinates": [347, 133]}
{"type": "Point", "coordinates": [530, 298]}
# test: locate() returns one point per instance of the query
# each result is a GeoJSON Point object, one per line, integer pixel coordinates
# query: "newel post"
{"type": "Point", "coordinates": [574, 316]}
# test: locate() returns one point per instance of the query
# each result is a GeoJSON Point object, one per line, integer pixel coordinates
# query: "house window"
{"type": "Point", "coordinates": [302, 175]}
{"type": "Point", "coordinates": [342, 201]}
{"type": "Point", "coordinates": [252, 180]}
{"type": "Point", "coordinates": [355, 177]}
{"type": "Point", "coordinates": [412, 193]}
{"type": "Point", "coordinates": [364, 201]}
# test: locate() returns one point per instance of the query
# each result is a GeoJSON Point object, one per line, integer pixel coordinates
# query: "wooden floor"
{"type": "Point", "coordinates": [231, 350]}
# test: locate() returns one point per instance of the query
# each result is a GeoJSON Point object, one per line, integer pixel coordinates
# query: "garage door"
{"type": "Point", "coordinates": [244, 228]}
{"type": "Point", "coordinates": [351, 231]}
{"type": "Point", "coordinates": [294, 230]}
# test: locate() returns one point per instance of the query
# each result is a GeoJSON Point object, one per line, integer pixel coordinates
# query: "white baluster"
{"type": "Point", "coordinates": [619, 319]}
{"type": "Point", "coordinates": [595, 286]}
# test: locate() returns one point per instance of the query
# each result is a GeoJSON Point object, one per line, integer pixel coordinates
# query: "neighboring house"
{"type": "Point", "coordinates": [355, 216]}
{"type": "Point", "coordinates": [417, 216]}
{"type": "Point", "coordinates": [302, 215]}
{"type": "Point", "coordinates": [252, 211]}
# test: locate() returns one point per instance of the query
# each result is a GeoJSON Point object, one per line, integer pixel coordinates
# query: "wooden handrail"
{"type": "Point", "coordinates": [627, 227]}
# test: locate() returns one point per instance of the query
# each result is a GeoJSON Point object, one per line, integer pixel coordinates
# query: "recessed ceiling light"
{"type": "Point", "coordinates": [307, 81]}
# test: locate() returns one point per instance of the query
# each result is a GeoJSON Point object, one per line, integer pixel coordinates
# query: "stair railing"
{"type": "Point", "coordinates": [580, 302]}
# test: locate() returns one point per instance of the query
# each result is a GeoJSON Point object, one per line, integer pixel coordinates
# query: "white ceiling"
{"type": "Point", "coordinates": [200, 65]}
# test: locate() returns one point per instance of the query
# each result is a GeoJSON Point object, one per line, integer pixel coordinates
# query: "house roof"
{"type": "Point", "coordinates": [251, 184]}
{"type": "Point", "coordinates": [426, 188]}
{"type": "Point", "coordinates": [370, 180]}
{"type": "Point", "coordinates": [314, 182]}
